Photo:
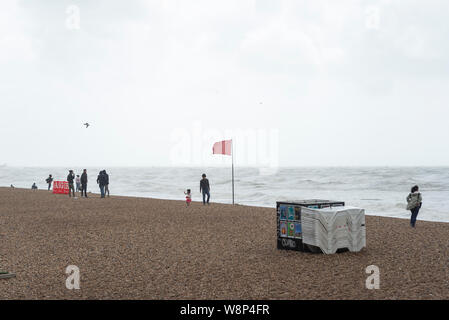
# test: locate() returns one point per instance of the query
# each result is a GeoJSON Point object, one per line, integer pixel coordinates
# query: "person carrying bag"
{"type": "Point", "coordinates": [414, 203]}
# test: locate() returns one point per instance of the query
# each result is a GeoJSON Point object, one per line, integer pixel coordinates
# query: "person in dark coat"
{"type": "Point", "coordinates": [101, 180]}
{"type": "Point", "coordinates": [106, 187]}
{"type": "Point", "coordinates": [205, 188]}
{"type": "Point", "coordinates": [84, 183]}
{"type": "Point", "coordinates": [70, 180]}
{"type": "Point", "coordinates": [49, 180]}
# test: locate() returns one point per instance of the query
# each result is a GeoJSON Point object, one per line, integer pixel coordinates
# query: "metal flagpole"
{"type": "Point", "coordinates": [232, 151]}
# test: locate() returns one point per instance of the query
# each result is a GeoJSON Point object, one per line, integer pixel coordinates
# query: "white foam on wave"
{"type": "Point", "coordinates": [380, 191]}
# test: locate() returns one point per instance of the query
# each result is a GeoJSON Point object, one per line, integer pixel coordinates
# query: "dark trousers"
{"type": "Point", "coordinates": [71, 188]}
{"type": "Point", "coordinates": [415, 212]}
{"type": "Point", "coordinates": [49, 186]}
{"type": "Point", "coordinates": [84, 189]}
{"type": "Point", "coordinates": [102, 190]}
{"type": "Point", "coordinates": [206, 192]}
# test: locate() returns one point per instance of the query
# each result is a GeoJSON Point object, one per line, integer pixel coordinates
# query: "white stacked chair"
{"type": "Point", "coordinates": [335, 228]}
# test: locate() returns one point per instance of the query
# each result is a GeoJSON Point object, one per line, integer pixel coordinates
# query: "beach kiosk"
{"type": "Point", "coordinates": [319, 226]}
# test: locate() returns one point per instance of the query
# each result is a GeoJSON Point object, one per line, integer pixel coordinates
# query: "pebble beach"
{"type": "Point", "coordinates": [142, 248]}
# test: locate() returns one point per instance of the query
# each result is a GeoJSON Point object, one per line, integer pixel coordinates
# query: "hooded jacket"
{"type": "Point", "coordinates": [70, 178]}
{"type": "Point", "coordinates": [414, 200]}
{"type": "Point", "coordinates": [101, 180]}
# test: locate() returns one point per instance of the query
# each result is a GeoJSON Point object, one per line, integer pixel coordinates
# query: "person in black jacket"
{"type": "Point", "coordinates": [84, 183]}
{"type": "Point", "coordinates": [70, 179]}
{"type": "Point", "coordinates": [205, 188]}
{"type": "Point", "coordinates": [106, 187]}
{"type": "Point", "coordinates": [101, 180]}
{"type": "Point", "coordinates": [49, 180]}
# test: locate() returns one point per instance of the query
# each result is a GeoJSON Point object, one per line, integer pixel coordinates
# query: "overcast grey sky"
{"type": "Point", "coordinates": [311, 82]}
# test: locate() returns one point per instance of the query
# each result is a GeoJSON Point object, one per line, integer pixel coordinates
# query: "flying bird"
{"type": "Point", "coordinates": [86, 124]}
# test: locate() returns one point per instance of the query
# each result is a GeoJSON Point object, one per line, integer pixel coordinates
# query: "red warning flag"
{"type": "Point", "coordinates": [222, 147]}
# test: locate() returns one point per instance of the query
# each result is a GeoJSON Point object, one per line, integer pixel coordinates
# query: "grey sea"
{"type": "Point", "coordinates": [379, 190]}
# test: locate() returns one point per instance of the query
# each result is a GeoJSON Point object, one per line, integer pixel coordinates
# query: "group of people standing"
{"type": "Point", "coordinates": [77, 183]}
{"type": "Point", "coordinates": [81, 183]}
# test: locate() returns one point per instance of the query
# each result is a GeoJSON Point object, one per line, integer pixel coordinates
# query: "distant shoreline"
{"type": "Point", "coordinates": [221, 203]}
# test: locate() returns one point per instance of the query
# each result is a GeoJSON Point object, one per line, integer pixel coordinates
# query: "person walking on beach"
{"type": "Point", "coordinates": [188, 194]}
{"type": "Point", "coordinates": [78, 183]}
{"type": "Point", "coordinates": [101, 180]}
{"type": "Point", "coordinates": [106, 186]}
{"type": "Point", "coordinates": [205, 189]}
{"type": "Point", "coordinates": [70, 179]}
{"type": "Point", "coordinates": [34, 186]}
{"type": "Point", "coordinates": [49, 180]}
{"type": "Point", "coordinates": [83, 181]}
{"type": "Point", "coordinates": [414, 203]}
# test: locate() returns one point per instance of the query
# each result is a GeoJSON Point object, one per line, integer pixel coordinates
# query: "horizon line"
{"type": "Point", "coordinates": [226, 166]}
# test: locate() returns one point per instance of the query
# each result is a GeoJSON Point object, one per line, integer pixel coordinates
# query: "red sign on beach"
{"type": "Point", "coordinates": [61, 187]}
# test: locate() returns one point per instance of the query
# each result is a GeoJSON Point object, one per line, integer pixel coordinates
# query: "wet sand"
{"type": "Point", "coordinates": [136, 248]}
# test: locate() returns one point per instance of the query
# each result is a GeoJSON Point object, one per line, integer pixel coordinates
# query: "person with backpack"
{"type": "Point", "coordinates": [70, 179]}
{"type": "Point", "coordinates": [414, 203]}
{"type": "Point", "coordinates": [49, 180]}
